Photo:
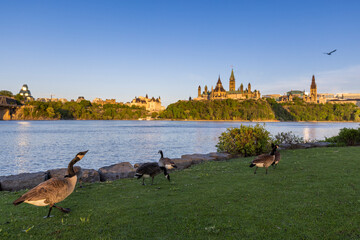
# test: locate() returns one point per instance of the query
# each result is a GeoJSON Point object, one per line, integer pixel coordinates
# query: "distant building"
{"type": "Point", "coordinates": [273, 96]}
{"type": "Point", "coordinates": [150, 104]}
{"type": "Point", "coordinates": [63, 100]}
{"type": "Point", "coordinates": [25, 92]}
{"type": "Point", "coordinates": [220, 93]}
{"type": "Point", "coordinates": [80, 99]}
{"type": "Point", "coordinates": [102, 102]}
{"type": "Point", "coordinates": [348, 95]}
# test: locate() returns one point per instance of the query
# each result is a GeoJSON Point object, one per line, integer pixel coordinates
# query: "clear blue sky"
{"type": "Point", "coordinates": [123, 49]}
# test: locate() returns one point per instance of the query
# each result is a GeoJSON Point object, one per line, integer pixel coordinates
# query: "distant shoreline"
{"type": "Point", "coordinates": [182, 120]}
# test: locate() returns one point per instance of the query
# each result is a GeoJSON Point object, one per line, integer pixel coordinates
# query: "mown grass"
{"type": "Point", "coordinates": [313, 194]}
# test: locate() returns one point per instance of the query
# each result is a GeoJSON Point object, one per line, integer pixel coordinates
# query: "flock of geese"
{"type": "Point", "coordinates": [57, 189]}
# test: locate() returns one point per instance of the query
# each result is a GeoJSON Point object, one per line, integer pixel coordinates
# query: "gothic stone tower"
{"type": "Point", "coordinates": [241, 88]}
{"type": "Point", "coordinates": [199, 91]}
{"type": "Point", "coordinates": [313, 90]}
{"type": "Point", "coordinates": [249, 88]}
{"type": "Point", "coordinates": [232, 81]}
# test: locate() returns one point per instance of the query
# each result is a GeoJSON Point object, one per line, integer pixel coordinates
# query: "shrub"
{"type": "Point", "coordinates": [287, 137]}
{"type": "Point", "coordinates": [347, 137]}
{"type": "Point", "coordinates": [246, 140]}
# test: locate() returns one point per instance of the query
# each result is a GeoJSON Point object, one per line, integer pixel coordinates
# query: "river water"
{"type": "Point", "coordinates": [32, 146]}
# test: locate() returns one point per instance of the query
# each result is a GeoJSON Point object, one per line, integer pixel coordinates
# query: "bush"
{"type": "Point", "coordinates": [246, 140]}
{"type": "Point", "coordinates": [287, 137]}
{"type": "Point", "coordinates": [347, 137]}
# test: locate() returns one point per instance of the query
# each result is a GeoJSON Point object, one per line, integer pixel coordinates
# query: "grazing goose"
{"type": "Point", "coordinates": [53, 190]}
{"type": "Point", "coordinates": [277, 159]}
{"type": "Point", "coordinates": [264, 160]}
{"type": "Point", "coordinates": [151, 169]}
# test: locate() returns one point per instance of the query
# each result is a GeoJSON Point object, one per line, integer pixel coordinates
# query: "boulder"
{"type": "Point", "coordinates": [220, 156]}
{"type": "Point", "coordinates": [322, 144]}
{"type": "Point", "coordinates": [90, 176]}
{"type": "Point", "coordinates": [285, 145]}
{"type": "Point", "coordinates": [116, 171]}
{"type": "Point", "coordinates": [182, 163]}
{"type": "Point", "coordinates": [197, 158]}
{"type": "Point", "coordinates": [22, 181]}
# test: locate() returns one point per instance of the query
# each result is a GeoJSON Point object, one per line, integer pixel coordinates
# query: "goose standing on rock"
{"type": "Point", "coordinates": [53, 190]}
{"type": "Point", "coordinates": [264, 160]}
{"type": "Point", "coordinates": [151, 169]}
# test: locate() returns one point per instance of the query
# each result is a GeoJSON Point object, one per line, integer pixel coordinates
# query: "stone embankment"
{"type": "Point", "coordinates": [120, 170]}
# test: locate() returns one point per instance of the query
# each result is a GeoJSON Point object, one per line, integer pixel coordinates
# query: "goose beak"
{"type": "Point", "coordinates": [80, 155]}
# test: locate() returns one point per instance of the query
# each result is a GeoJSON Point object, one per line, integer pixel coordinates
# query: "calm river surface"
{"type": "Point", "coordinates": [31, 146]}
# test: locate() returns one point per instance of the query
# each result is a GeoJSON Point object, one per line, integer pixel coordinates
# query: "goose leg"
{"type": "Point", "coordinates": [51, 206]}
{"type": "Point", "coordinates": [64, 210]}
{"type": "Point", "coordinates": [152, 180]}
{"type": "Point", "coordinates": [255, 170]}
{"type": "Point", "coordinates": [143, 181]}
{"type": "Point", "coordinates": [266, 170]}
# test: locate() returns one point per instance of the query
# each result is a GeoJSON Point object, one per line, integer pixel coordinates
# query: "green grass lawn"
{"type": "Point", "coordinates": [313, 194]}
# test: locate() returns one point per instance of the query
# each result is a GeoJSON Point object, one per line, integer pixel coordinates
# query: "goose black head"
{"type": "Point", "coordinates": [77, 158]}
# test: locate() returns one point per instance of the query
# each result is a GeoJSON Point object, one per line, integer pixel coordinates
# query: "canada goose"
{"type": "Point", "coordinates": [264, 160]}
{"type": "Point", "coordinates": [151, 169]}
{"type": "Point", "coordinates": [166, 162]}
{"type": "Point", "coordinates": [53, 190]}
{"type": "Point", "coordinates": [277, 159]}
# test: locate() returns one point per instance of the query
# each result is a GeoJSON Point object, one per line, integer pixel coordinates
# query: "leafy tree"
{"type": "Point", "coordinates": [6, 93]}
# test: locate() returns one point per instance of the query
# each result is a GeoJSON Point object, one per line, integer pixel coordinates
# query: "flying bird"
{"type": "Point", "coordinates": [329, 53]}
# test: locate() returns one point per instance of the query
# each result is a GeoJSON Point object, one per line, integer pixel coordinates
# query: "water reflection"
{"type": "Point", "coordinates": [22, 146]}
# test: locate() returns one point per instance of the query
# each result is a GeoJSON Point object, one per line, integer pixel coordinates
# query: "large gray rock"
{"type": "Point", "coordinates": [197, 158]}
{"type": "Point", "coordinates": [220, 156]}
{"type": "Point", "coordinates": [322, 144]}
{"type": "Point", "coordinates": [90, 176]}
{"type": "Point", "coordinates": [182, 163]}
{"type": "Point", "coordinates": [22, 181]}
{"type": "Point", "coordinates": [116, 171]}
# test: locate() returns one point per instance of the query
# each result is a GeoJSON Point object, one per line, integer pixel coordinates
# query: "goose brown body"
{"type": "Point", "coordinates": [151, 169]}
{"type": "Point", "coordinates": [53, 190]}
{"type": "Point", "coordinates": [264, 160]}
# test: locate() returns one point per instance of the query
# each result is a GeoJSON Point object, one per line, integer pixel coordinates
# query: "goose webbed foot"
{"type": "Point", "coordinates": [48, 216]}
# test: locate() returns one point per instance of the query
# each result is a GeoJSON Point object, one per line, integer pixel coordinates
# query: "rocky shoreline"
{"type": "Point", "coordinates": [122, 169]}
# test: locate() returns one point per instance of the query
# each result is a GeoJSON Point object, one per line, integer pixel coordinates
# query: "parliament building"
{"type": "Point", "coordinates": [220, 93]}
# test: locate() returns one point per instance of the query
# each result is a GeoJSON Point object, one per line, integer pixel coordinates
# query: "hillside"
{"type": "Point", "coordinates": [252, 110]}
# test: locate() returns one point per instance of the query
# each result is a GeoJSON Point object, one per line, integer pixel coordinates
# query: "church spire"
{"type": "Point", "coordinates": [313, 84]}
{"type": "Point", "coordinates": [232, 81]}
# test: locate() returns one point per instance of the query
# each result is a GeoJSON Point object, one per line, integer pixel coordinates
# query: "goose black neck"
{"type": "Point", "coordinates": [71, 171]}
{"type": "Point", "coordinates": [273, 151]}
{"type": "Point", "coordinates": [164, 169]}
{"type": "Point", "coordinates": [161, 153]}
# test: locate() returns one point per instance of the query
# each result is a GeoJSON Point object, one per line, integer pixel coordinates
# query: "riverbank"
{"type": "Point", "coordinates": [312, 194]}
{"type": "Point", "coordinates": [224, 110]}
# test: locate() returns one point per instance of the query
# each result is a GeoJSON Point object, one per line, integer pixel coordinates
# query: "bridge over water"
{"type": "Point", "coordinates": [8, 106]}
